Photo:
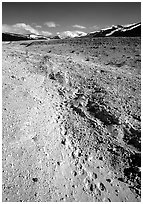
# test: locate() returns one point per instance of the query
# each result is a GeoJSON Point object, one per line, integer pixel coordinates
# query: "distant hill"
{"type": "Point", "coordinates": [18, 37]}
{"type": "Point", "coordinates": [13, 37]}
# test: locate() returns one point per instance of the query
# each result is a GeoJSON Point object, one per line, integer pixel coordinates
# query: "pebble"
{"type": "Point", "coordinates": [101, 186]}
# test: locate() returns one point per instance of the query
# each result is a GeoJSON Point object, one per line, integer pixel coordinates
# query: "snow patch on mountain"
{"type": "Point", "coordinates": [131, 28]}
{"type": "Point", "coordinates": [109, 31]}
{"type": "Point", "coordinates": [108, 34]}
{"type": "Point", "coordinates": [33, 36]}
{"type": "Point", "coordinates": [124, 28]}
{"type": "Point", "coordinates": [132, 24]}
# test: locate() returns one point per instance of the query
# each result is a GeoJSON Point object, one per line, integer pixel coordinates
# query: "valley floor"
{"type": "Point", "coordinates": [72, 120]}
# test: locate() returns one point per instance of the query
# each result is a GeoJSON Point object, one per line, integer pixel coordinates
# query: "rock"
{"type": "Point", "coordinates": [101, 186]}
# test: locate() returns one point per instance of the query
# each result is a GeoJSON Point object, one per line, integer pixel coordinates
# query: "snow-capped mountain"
{"type": "Point", "coordinates": [34, 36]}
{"type": "Point", "coordinates": [130, 30]}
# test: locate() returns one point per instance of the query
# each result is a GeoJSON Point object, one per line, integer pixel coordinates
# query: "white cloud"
{"type": "Point", "coordinates": [71, 34]}
{"type": "Point", "coordinates": [22, 28]}
{"type": "Point", "coordinates": [38, 26]}
{"type": "Point", "coordinates": [51, 24]}
{"type": "Point", "coordinates": [95, 27]}
{"type": "Point", "coordinates": [46, 33]}
{"type": "Point", "coordinates": [26, 27]}
{"type": "Point", "coordinates": [79, 26]}
{"type": "Point", "coordinates": [6, 28]}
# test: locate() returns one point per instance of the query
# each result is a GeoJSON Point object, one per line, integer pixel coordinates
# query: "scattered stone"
{"type": "Point", "coordinates": [63, 141]}
{"type": "Point", "coordinates": [94, 175]}
{"type": "Point", "coordinates": [92, 187]}
{"type": "Point", "coordinates": [58, 163]}
{"type": "Point", "coordinates": [108, 180]}
{"type": "Point", "coordinates": [35, 179]}
{"type": "Point", "coordinates": [13, 77]}
{"type": "Point", "coordinates": [74, 173]}
{"type": "Point", "coordinates": [97, 192]}
{"type": "Point", "coordinates": [101, 186]}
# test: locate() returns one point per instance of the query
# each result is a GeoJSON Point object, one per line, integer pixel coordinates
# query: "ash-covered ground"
{"type": "Point", "coordinates": [72, 120]}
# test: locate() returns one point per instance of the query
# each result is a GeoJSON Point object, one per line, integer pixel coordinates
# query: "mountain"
{"type": "Point", "coordinates": [131, 30]}
{"type": "Point", "coordinates": [61, 35]}
{"type": "Point", "coordinates": [56, 37]}
{"type": "Point", "coordinates": [38, 37]}
{"type": "Point", "coordinates": [14, 37]}
{"type": "Point", "coordinates": [18, 37]}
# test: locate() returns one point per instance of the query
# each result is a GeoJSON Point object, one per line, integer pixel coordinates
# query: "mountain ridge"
{"type": "Point", "coordinates": [130, 30]}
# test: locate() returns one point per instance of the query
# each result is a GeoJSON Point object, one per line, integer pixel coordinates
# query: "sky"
{"type": "Point", "coordinates": [50, 18]}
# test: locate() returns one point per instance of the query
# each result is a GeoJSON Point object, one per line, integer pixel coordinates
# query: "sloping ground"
{"type": "Point", "coordinates": [71, 126]}
{"type": "Point", "coordinates": [13, 37]}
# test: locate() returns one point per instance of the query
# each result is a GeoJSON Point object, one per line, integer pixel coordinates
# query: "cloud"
{"type": "Point", "coordinates": [95, 27]}
{"type": "Point", "coordinates": [38, 26]}
{"type": "Point", "coordinates": [22, 28]}
{"type": "Point", "coordinates": [6, 28]}
{"type": "Point", "coordinates": [26, 28]}
{"type": "Point", "coordinates": [71, 34]}
{"type": "Point", "coordinates": [51, 24]}
{"type": "Point", "coordinates": [79, 26]}
{"type": "Point", "coordinates": [46, 33]}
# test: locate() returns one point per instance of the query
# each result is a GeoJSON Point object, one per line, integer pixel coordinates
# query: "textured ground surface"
{"type": "Point", "coordinates": [72, 120]}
